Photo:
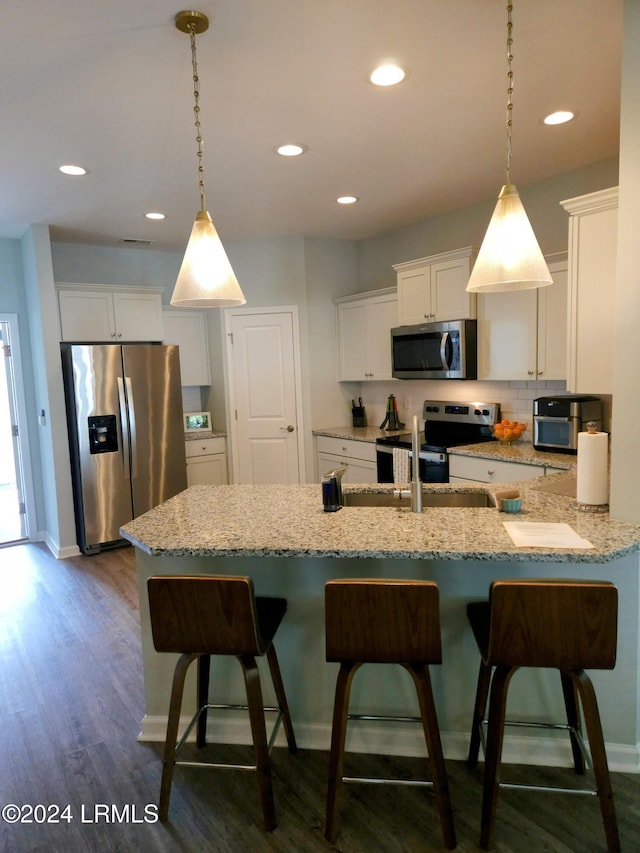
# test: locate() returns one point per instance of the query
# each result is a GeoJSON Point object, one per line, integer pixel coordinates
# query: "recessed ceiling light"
{"type": "Point", "coordinates": [388, 74]}
{"type": "Point", "coordinates": [559, 117]}
{"type": "Point", "coordinates": [347, 199]}
{"type": "Point", "coordinates": [73, 170]}
{"type": "Point", "coordinates": [292, 149]}
{"type": "Point", "coordinates": [156, 215]}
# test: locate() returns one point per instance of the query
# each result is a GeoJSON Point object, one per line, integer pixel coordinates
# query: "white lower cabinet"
{"type": "Point", "coordinates": [358, 457]}
{"type": "Point", "coordinates": [481, 470]}
{"type": "Point", "coordinates": [207, 461]}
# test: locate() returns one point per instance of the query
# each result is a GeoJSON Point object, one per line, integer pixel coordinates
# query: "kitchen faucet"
{"type": "Point", "coordinates": [415, 492]}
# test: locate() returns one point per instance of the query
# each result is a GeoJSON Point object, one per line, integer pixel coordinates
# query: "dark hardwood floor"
{"type": "Point", "coordinates": [71, 703]}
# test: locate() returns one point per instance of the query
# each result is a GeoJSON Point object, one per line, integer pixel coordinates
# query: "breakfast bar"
{"type": "Point", "coordinates": [281, 537]}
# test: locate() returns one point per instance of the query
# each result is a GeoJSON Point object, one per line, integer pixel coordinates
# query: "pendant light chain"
{"type": "Point", "coordinates": [509, 87]}
{"type": "Point", "coordinates": [196, 115]}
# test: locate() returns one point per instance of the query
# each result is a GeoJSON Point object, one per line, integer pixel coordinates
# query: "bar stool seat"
{"type": "Point", "coordinates": [384, 621]}
{"type": "Point", "coordinates": [200, 616]}
{"type": "Point", "coordinates": [568, 625]}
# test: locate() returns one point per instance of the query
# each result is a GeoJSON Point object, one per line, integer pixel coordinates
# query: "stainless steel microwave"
{"type": "Point", "coordinates": [446, 350]}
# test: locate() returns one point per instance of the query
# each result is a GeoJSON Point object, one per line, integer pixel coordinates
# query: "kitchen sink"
{"type": "Point", "coordinates": [453, 499]}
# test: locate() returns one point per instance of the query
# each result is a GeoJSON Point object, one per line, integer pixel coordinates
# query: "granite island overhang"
{"type": "Point", "coordinates": [282, 538]}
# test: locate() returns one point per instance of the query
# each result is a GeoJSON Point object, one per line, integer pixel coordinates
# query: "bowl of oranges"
{"type": "Point", "coordinates": [508, 431]}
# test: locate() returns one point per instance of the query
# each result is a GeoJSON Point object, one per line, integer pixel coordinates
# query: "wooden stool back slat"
{"type": "Point", "coordinates": [383, 621]}
{"type": "Point", "coordinates": [549, 623]}
{"type": "Point", "coordinates": [207, 614]}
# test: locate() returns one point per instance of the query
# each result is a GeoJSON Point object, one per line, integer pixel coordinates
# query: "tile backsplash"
{"type": "Point", "coordinates": [515, 398]}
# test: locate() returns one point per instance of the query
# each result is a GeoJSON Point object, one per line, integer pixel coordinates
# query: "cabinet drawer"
{"type": "Point", "coordinates": [347, 447]}
{"type": "Point", "coordinates": [491, 470]}
{"type": "Point", "coordinates": [205, 446]}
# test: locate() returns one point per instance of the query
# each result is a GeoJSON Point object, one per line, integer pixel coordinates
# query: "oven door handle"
{"type": "Point", "coordinates": [551, 420]}
{"type": "Point", "coordinates": [381, 449]}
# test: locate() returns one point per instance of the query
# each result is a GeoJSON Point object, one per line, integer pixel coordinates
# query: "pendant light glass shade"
{"type": "Point", "coordinates": [510, 257]}
{"type": "Point", "coordinates": [206, 279]}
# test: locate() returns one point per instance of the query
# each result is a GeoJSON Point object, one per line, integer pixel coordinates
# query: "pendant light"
{"type": "Point", "coordinates": [510, 257]}
{"type": "Point", "coordinates": [206, 279]}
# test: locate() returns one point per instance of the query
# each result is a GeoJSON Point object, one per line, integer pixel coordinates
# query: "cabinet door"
{"type": "Point", "coordinates": [449, 297]}
{"type": "Point", "coordinates": [484, 470]}
{"type": "Point", "coordinates": [188, 330]}
{"type": "Point", "coordinates": [381, 318]}
{"type": "Point", "coordinates": [358, 470]}
{"type": "Point", "coordinates": [86, 315]}
{"type": "Point", "coordinates": [592, 252]}
{"type": "Point", "coordinates": [507, 332]}
{"type": "Point", "coordinates": [207, 470]}
{"type": "Point", "coordinates": [414, 296]}
{"type": "Point", "coordinates": [552, 326]}
{"type": "Point", "coordinates": [138, 316]}
{"type": "Point", "coordinates": [352, 337]}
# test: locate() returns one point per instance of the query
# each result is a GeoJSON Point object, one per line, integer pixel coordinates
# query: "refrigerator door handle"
{"type": "Point", "coordinates": [125, 429]}
{"type": "Point", "coordinates": [132, 428]}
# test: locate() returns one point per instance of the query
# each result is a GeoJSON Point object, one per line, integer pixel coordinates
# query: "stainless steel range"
{"type": "Point", "coordinates": [446, 424]}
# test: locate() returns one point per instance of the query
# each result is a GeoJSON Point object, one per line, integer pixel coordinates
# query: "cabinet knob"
{"type": "Point", "coordinates": [540, 372]}
{"type": "Point", "coordinates": [490, 473]}
{"type": "Point", "coordinates": [113, 334]}
{"type": "Point", "coordinates": [530, 372]}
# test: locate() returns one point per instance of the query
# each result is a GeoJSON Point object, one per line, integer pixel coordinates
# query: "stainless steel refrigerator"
{"type": "Point", "coordinates": [126, 435]}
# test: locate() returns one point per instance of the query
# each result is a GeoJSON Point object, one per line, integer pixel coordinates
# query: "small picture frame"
{"type": "Point", "coordinates": [197, 422]}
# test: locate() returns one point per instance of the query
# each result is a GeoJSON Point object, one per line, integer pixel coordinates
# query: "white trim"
{"type": "Point", "coordinates": [232, 431]}
{"type": "Point", "coordinates": [399, 739]}
{"type": "Point", "coordinates": [21, 409]}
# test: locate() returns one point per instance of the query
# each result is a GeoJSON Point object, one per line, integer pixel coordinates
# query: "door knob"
{"type": "Point", "coordinates": [289, 428]}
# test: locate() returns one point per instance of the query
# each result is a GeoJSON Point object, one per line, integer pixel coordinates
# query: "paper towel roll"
{"type": "Point", "coordinates": [593, 474]}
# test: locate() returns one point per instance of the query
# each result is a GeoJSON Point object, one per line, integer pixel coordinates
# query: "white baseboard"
{"type": "Point", "coordinates": [60, 553]}
{"type": "Point", "coordinates": [401, 739]}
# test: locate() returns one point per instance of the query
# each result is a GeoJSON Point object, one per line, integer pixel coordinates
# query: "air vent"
{"type": "Point", "coordinates": [135, 241]}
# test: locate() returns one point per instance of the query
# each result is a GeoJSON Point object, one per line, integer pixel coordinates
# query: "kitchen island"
{"type": "Point", "coordinates": [280, 536]}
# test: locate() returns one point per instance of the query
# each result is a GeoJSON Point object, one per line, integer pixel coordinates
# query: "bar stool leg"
{"type": "Point", "coordinates": [482, 693]}
{"type": "Point", "coordinates": [495, 736]}
{"type": "Point", "coordinates": [569, 692]}
{"type": "Point", "coordinates": [422, 681]}
{"type": "Point", "coordinates": [175, 704]}
{"type": "Point", "coordinates": [281, 696]}
{"type": "Point", "coordinates": [204, 665]}
{"type": "Point", "coordinates": [598, 757]}
{"type": "Point", "coordinates": [259, 733]}
{"type": "Point", "coordinates": [336, 755]}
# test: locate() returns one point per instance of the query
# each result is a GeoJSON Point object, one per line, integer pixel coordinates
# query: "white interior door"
{"type": "Point", "coordinates": [263, 364]}
{"type": "Point", "coordinates": [13, 504]}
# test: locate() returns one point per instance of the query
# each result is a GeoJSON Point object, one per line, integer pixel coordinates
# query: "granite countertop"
{"type": "Point", "coordinates": [368, 433]}
{"type": "Point", "coordinates": [288, 521]}
{"type": "Point", "coordinates": [199, 436]}
{"type": "Point", "coordinates": [519, 451]}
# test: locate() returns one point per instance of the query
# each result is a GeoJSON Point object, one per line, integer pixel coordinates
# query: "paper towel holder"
{"type": "Point", "coordinates": [591, 429]}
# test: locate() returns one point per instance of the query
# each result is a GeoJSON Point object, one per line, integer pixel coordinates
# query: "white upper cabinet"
{"type": "Point", "coordinates": [365, 321]}
{"type": "Point", "coordinates": [188, 329]}
{"type": "Point", "coordinates": [593, 238]}
{"type": "Point", "coordinates": [97, 313]}
{"type": "Point", "coordinates": [522, 334]}
{"type": "Point", "coordinates": [434, 289]}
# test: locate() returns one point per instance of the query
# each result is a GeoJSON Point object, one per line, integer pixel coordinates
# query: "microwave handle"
{"type": "Point", "coordinates": [444, 340]}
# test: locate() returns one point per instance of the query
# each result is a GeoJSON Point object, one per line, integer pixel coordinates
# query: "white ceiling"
{"type": "Point", "coordinates": [108, 85]}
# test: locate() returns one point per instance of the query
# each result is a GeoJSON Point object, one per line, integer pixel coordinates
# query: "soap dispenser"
{"type": "Point", "coordinates": [332, 490]}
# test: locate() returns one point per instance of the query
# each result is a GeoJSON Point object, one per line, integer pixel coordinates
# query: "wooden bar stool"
{"type": "Point", "coordinates": [568, 625]}
{"type": "Point", "coordinates": [200, 616]}
{"type": "Point", "coordinates": [385, 621]}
